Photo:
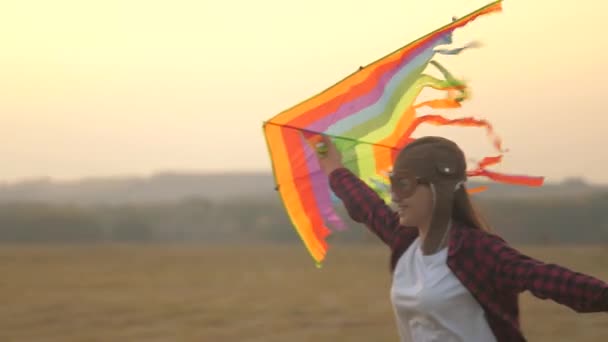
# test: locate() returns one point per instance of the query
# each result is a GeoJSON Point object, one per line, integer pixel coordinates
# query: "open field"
{"type": "Point", "coordinates": [234, 293]}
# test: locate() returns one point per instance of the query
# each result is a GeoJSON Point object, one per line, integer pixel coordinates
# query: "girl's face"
{"type": "Point", "coordinates": [413, 198]}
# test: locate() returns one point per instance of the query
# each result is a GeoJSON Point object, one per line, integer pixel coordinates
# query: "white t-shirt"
{"type": "Point", "coordinates": [431, 304]}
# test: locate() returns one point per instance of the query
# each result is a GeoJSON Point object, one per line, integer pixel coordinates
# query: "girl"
{"type": "Point", "coordinates": [452, 280]}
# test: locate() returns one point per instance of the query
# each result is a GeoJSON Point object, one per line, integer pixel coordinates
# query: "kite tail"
{"type": "Point", "coordinates": [508, 179]}
{"type": "Point", "coordinates": [457, 91]}
{"type": "Point", "coordinates": [439, 120]}
{"type": "Point", "coordinates": [481, 170]}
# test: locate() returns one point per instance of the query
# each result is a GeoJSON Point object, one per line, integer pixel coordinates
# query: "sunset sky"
{"type": "Point", "coordinates": [133, 87]}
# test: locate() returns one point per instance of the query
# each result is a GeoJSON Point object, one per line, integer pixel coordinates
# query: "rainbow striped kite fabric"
{"type": "Point", "coordinates": [370, 115]}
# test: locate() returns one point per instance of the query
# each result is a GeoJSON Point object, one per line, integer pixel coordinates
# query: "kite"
{"type": "Point", "coordinates": [370, 115]}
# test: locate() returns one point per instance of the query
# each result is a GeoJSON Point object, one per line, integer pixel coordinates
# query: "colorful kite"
{"type": "Point", "coordinates": [370, 116]}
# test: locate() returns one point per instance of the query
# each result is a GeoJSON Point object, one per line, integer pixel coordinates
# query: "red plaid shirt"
{"type": "Point", "coordinates": [487, 266]}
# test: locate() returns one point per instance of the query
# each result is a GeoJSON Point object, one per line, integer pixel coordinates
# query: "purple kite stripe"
{"type": "Point", "coordinates": [320, 188]}
{"type": "Point", "coordinates": [373, 96]}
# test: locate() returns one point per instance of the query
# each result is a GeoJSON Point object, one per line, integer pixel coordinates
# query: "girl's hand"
{"type": "Point", "coordinates": [330, 158]}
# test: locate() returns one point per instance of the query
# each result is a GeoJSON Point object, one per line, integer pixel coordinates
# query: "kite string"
{"type": "Point", "coordinates": [337, 137]}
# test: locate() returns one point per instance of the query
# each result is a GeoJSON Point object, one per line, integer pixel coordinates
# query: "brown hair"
{"type": "Point", "coordinates": [465, 211]}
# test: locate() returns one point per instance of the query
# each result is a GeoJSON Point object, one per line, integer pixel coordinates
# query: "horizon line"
{"type": "Point", "coordinates": [218, 172]}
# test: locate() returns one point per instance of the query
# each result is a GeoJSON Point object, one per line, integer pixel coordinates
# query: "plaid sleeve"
{"type": "Point", "coordinates": [364, 205]}
{"type": "Point", "coordinates": [518, 272]}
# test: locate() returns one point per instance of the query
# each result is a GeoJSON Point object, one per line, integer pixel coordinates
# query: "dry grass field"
{"type": "Point", "coordinates": [234, 293]}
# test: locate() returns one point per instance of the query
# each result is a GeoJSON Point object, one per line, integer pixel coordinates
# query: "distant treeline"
{"type": "Point", "coordinates": [540, 220]}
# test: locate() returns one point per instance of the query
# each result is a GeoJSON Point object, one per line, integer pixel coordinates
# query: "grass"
{"type": "Point", "coordinates": [234, 293]}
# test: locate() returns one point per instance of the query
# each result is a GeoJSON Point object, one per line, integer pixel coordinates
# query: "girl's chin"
{"type": "Point", "coordinates": [406, 221]}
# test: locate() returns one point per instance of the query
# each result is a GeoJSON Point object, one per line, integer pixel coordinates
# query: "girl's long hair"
{"type": "Point", "coordinates": [465, 211]}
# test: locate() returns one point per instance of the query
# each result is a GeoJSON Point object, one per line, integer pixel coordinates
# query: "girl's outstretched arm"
{"type": "Point", "coordinates": [518, 272]}
{"type": "Point", "coordinates": [361, 202]}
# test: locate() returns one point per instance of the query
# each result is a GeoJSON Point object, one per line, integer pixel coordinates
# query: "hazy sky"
{"type": "Point", "coordinates": [117, 87]}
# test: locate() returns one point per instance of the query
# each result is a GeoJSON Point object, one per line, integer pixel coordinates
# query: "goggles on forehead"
{"type": "Point", "coordinates": [404, 183]}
